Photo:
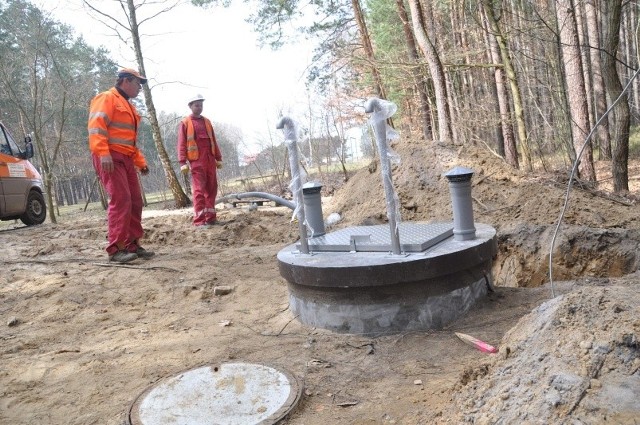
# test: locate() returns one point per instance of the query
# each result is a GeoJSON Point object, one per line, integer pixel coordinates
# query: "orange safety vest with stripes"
{"type": "Point", "coordinates": [192, 146]}
{"type": "Point", "coordinates": [113, 126]}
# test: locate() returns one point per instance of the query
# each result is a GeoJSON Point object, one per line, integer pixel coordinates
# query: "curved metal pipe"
{"type": "Point", "coordinates": [264, 195]}
{"type": "Point", "coordinates": [288, 126]}
{"type": "Point", "coordinates": [291, 141]}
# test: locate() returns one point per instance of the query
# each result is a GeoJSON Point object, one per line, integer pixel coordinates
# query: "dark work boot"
{"type": "Point", "coordinates": [143, 253]}
{"type": "Point", "coordinates": [123, 257]}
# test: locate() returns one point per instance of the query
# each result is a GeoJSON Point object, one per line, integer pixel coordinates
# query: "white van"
{"type": "Point", "coordinates": [21, 189]}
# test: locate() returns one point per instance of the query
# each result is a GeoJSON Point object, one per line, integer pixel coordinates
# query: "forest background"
{"type": "Point", "coordinates": [539, 83]}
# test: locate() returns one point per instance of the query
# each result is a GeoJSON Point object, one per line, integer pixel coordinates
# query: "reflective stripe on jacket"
{"type": "Point", "coordinates": [113, 125]}
{"type": "Point", "coordinates": [192, 146]}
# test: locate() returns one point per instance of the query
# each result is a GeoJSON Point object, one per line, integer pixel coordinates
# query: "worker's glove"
{"type": "Point", "coordinates": [144, 171]}
{"type": "Point", "coordinates": [218, 164]}
{"type": "Point", "coordinates": [184, 169]}
{"type": "Point", "coordinates": [106, 163]}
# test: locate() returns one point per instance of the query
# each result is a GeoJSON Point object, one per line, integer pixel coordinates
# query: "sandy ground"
{"type": "Point", "coordinates": [81, 338]}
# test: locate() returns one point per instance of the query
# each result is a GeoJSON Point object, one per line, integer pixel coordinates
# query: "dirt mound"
{"type": "Point", "coordinates": [236, 228]}
{"type": "Point", "coordinates": [576, 356]}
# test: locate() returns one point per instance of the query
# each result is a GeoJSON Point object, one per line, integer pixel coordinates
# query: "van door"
{"type": "Point", "coordinates": [2, 206]}
{"type": "Point", "coordinates": [14, 184]}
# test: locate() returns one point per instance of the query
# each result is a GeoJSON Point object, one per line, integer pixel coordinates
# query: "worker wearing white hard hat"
{"type": "Point", "coordinates": [198, 152]}
{"type": "Point", "coordinates": [195, 98]}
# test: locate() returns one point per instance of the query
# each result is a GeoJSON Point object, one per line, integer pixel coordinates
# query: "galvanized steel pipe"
{"type": "Point", "coordinates": [379, 124]}
{"type": "Point", "coordinates": [291, 140]}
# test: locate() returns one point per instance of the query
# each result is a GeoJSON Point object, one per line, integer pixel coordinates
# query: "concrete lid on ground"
{"type": "Point", "coordinates": [229, 393]}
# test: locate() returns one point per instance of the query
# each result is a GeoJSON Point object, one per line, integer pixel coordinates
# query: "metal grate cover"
{"type": "Point", "coordinates": [414, 237]}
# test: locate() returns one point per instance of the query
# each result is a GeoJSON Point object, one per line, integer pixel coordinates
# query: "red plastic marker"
{"type": "Point", "coordinates": [476, 343]}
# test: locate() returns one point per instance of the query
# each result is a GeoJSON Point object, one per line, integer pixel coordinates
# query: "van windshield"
{"type": "Point", "coordinates": [7, 145]}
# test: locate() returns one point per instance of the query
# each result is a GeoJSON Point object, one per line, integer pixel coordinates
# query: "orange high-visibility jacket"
{"type": "Point", "coordinates": [113, 126]}
{"type": "Point", "coordinates": [192, 146]}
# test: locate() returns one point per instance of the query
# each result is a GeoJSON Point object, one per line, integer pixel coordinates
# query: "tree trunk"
{"type": "Point", "coordinates": [574, 80]}
{"type": "Point", "coordinates": [628, 49]}
{"type": "Point", "coordinates": [583, 45]}
{"type": "Point", "coordinates": [181, 199]}
{"type": "Point", "coordinates": [518, 107]}
{"type": "Point", "coordinates": [633, 12]}
{"type": "Point", "coordinates": [368, 48]}
{"type": "Point", "coordinates": [611, 13]}
{"type": "Point", "coordinates": [508, 139]}
{"type": "Point", "coordinates": [416, 71]}
{"type": "Point", "coordinates": [436, 70]}
{"type": "Point", "coordinates": [603, 137]}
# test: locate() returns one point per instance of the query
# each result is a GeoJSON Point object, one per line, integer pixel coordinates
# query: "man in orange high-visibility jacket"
{"type": "Point", "coordinates": [197, 144]}
{"type": "Point", "coordinates": [113, 126]}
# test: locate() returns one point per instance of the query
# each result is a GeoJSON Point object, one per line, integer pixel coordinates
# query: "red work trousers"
{"type": "Point", "coordinates": [204, 184]}
{"type": "Point", "coordinates": [124, 215]}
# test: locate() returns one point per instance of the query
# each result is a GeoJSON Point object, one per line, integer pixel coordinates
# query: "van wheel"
{"type": "Point", "coordinates": [36, 211]}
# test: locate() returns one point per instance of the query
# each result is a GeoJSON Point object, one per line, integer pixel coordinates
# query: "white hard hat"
{"type": "Point", "coordinates": [194, 98]}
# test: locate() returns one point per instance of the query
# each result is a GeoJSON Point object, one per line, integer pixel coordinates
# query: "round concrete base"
{"type": "Point", "coordinates": [377, 293]}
